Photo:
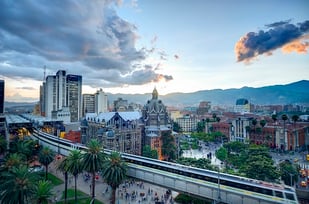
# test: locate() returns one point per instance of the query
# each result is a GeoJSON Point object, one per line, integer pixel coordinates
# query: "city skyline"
{"type": "Point", "coordinates": [134, 46]}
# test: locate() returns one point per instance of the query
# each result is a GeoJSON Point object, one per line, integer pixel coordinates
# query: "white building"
{"type": "Point", "coordinates": [238, 129]}
{"type": "Point", "coordinates": [61, 91]}
{"type": "Point", "coordinates": [101, 105]}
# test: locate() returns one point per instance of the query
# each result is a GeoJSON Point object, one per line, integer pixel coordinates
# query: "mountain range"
{"type": "Point", "coordinates": [293, 93]}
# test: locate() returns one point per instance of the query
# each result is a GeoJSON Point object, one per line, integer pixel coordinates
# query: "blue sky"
{"type": "Point", "coordinates": [134, 46]}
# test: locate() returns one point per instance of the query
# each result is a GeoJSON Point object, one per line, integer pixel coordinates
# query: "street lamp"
{"type": "Point", "coordinates": [219, 190]}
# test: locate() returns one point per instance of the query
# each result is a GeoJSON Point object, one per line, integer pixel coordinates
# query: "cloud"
{"type": "Point", "coordinates": [26, 88]}
{"type": "Point", "coordinates": [83, 37]}
{"type": "Point", "coordinates": [281, 34]}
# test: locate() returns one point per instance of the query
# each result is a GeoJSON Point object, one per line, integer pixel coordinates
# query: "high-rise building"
{"type": "Point", "coordinates": [88, 104]}
{"type": "Point", "coordinates": [59, 91]}
{"type": "Point", "coordinates": [2, 96]}
{"type": "Point", "coordinates": [101, 105]}
{"type": "Point", "coordinates": [74, 96]}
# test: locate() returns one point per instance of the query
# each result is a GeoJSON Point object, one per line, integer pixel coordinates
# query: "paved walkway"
{"type": "Point", "coordinates": [131, 192]}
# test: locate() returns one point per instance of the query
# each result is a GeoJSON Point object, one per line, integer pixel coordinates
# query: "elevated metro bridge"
{"type": "Point", "coordinates": [217, 186]}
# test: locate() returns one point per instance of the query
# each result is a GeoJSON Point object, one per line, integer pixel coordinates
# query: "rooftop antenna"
{"type": "Point", "coordinates": [44, 73]}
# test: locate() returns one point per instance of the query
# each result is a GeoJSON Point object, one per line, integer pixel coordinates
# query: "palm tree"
{"type": "Point", "coordinates": [254, 122]}
{"type": "Point", "coordinates": [284, 117]}
{"type": "Point", "coordinates": [46, 156]}
{"type": "Point", "coordinates": [13, 160]}
{"type": "Point", "coordinates": [274, 118]}
{"type": "Point", "coordinates": [295, 119]}
{"type": "Point", "coordinates": [22, 147]}
{"type": "Point", "coordinates": [114, 172]}
{"type": "Point", "coordinates": [43, 192]}
{"type": "Point", "coordinates": [3, 145]}
{"type": "Point", "coordinates": [74, 166]}
{"type": "Point", "coordinates": [62, 165]}
{"type": "Point", "coordinates": [93, 160]}
{"type": "Point", "coordinates": [262, 123]}
{"type": "Point", "coordinates": [17, 185]}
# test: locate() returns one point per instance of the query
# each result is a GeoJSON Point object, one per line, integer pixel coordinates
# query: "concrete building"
{"type": "Point", "coordinates": [88, 104]}
{"type": "Point", "coordinates": [238, 131]}
{"type": "Point", "coordinates": [157, 124]}
{"type": "Point", "coordinates": [117, 131]}
{"type": "Point", "coordinates": [120, 105]}
{"type": "Point", "coordinates": [203, 107]}
{"type": "Point", "coordinates": [101, 102]}
{"type": "Point", "coordinates": [242, 106]}
{"type": "Point", "coordinates": [2, 87]}
{"type": "Point", "coordinates": [60, 91]}
{"type": "Point", "coordinates": [74, 96]}
{"type": "Point", "coordinates": [188, 123]}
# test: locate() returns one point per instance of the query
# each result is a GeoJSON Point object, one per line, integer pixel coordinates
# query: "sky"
{"type": "Point", "coordinates": [132, 46]}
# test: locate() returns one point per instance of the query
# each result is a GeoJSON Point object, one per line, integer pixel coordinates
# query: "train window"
{"type": "Point", "coordinates": [279, 194]}
{"type": "Point", "coordinates": [289, 196]}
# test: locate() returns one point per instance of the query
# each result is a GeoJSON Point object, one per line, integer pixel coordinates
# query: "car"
{"type": "Point", "coordinates": [36, 168]}
{"type": "Point", "coordinates": [303, 184]}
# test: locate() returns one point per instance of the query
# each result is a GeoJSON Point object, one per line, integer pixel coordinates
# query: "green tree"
{"type": "Point", "coordinates": [274, 118]}
{"type": "Point", "coordinates": [75, 167]}
{"type": "Point", "coordinates": [23, 148]}
{"type": "Point", "coordinates": [200, 127]}
{"type": "Point", "coordinates": [62, 165]}
{"type": "Point", "coordinates": [176, 127]}
{"type": "Point", "coordinates": [259, 164]}
{"type": "Point", "coordinates": [17, 185]}
{"type": "Point", "coordinates": [288, 172]}
{"type": "Point", "coordinates": [214, 117]}
{"type": "Point", "coordinates": [199, 163]}
{"type": "Point", "coordinates": [221, 154]}
{"type": "Point", "coordinates": [13, 160]}
{"type": "Point", "coordinates": [46, 156]}
{"type": "Point", "coordinates": [168, 145]}
{"type": "Point", "coordinates": [43, 192]}
{"type": "Point", "coordinates": [114, 172]}
{"type": "Point", "coordinates": [93, 160]}
{"type": "Point", "coordinates": [150, 153]}
{"type": "Point", "coordinates": [3, 145]}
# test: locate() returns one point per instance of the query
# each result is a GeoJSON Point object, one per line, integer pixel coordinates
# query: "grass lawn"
{"type": "Point", "coordinates": [54, 179]}
{"type": "Point", "coordinates": [82, 198]}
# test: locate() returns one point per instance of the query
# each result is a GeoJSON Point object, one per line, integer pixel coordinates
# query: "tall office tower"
{"type": "Point", "coordinates": [88, 104]}
{"type": "Point", "coordinates": [101, 102]}
{"type": "Point", "coordinates": [74, 96]}
{"type": "Point", "coordinates": [2, 96]}
{"type": "Point", "coordinates": [59, 91]}
{"type": "Point", "coordinates": [49, 96]}
{"type": "Point", "coordinates": [42, 100]}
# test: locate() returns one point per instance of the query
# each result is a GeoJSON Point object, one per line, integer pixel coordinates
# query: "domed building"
{"type": "Point", "coordinates": [242, 106]}
{"type": "Point", "coordinates": [158, 126]}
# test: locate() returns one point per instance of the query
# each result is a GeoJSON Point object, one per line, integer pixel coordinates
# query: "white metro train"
{"type": "Point", "coordinates": [275, 193]}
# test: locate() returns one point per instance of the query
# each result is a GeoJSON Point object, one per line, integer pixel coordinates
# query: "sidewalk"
{"type": "Point", "coordinates": [130, 192]}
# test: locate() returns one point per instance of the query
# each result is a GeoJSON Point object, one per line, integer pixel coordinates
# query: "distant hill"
{"type": "Point", "coordinates": [294, 93]}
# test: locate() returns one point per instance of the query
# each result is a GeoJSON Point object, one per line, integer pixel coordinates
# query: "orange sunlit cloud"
{"type": "Point", "coordinates": [296, 46]}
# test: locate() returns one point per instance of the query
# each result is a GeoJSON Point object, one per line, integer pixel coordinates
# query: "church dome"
{"type": "Point", "coordinates": [154, 105]}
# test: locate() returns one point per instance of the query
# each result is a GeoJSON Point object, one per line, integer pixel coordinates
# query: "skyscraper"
{"type": "Point", "coordinates": [74, 96]}
{"type": "Point", "coordinates": [60, 91]}
{"type": "Point", "coordinates": [2, 96]}
{"type": "Point", "coordinates": [88, 103]}
{"type": "Point", "coordinates": [101, 102]}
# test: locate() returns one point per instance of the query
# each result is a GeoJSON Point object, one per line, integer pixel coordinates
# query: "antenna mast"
{"type": "Point", "coordinates": [44, 73]}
